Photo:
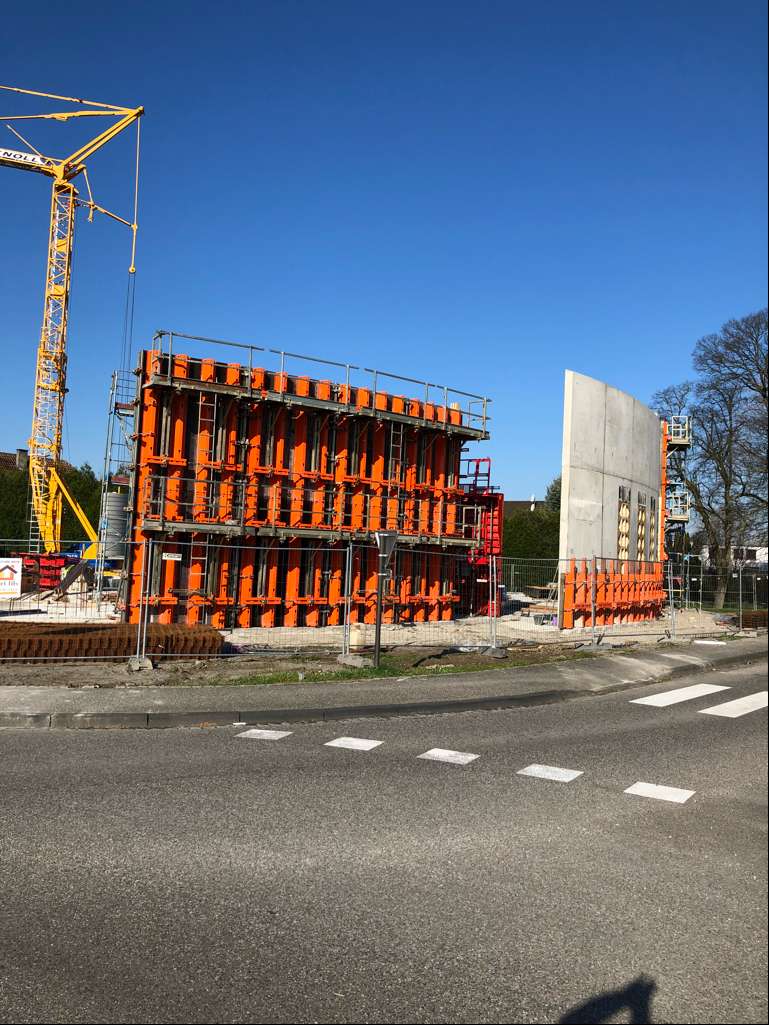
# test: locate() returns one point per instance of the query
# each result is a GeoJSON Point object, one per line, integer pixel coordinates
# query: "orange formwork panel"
{"type": "Point", "coordinates": [256, 482]}
{"type": "Point", "coordinates": [620, 591]}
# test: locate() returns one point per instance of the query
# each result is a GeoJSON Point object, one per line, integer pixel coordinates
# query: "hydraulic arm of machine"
{"type": "Point", "coordinates": [47, 485]}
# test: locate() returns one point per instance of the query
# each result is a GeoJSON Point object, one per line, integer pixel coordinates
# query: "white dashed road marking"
{"type": "Point", "coordinates": [550, 772]}
{"type": "Point", "coordinates": [659, 792]}
{"type": "Point", "coordinates": [439, 754]}
{"type": "Point", "coordinates": [266, 734]}
{"type": "Point", "coordinates": [740, 706]}
{"type": "Point", "coordinates": [672, 697]}
{"type": "Point", "coordinates": [355, 743]}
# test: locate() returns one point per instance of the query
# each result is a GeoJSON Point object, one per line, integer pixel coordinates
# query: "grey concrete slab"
{"type": "Point", "coordinates": [610, 440]}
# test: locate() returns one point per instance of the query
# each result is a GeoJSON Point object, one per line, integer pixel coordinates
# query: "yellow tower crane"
{"type": "Point", "coordinates": [46, 482]}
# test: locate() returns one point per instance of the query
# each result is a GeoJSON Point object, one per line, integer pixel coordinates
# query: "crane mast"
{"type": "Point", "coordinates": [51, 373]}
{"type": "Point", "coordinates": [47, 487]}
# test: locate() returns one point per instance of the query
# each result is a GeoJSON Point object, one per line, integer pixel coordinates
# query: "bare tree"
{"type": "Point", "coordinates": [737, 353]}
{"type": "Point", "coordinates": [726, 469]}
{"type": "Point", "coordinates": [739, 356]}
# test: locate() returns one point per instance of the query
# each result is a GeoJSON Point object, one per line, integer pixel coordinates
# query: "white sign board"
{"type": "Point", "coordinates": [10, 578]}
{"type": "Point", "coordinates": [24, 158]}
{"type": "Point", "coordinates": [172, 556]}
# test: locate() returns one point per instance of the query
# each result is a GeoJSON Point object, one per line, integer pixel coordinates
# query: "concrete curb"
{"type": "Point", "coordinates": [169, 720]}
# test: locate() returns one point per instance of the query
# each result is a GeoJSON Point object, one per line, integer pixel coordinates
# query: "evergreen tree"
{"type": "Point", "coordinates": [84, 485]}
{"type": "Point", "coordinates": [553, 495]}
{"type": "Point", "coordinates": [531, 535]}
{"type": "Point", "coordinates": [14, 487]}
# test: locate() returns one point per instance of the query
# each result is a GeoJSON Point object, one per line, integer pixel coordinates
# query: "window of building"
{"type": "Point", "coordinates": [746, 554]}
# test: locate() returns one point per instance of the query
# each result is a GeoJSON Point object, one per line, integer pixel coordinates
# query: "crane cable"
{"type": "Point", "coordinates": [130, 301]}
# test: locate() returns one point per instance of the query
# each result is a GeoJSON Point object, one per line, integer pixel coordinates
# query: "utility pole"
{"type": "Point", "coordinates": [385, 542]}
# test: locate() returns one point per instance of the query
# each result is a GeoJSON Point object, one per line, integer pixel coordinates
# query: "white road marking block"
{"type": "Point", "coordinates": [266, 734]}
{"type": "Point", "coordinates": [660, 793]}
{"type": "Point", "coordinates": [740, 706]}
{"type": "Point", "coordinates": [439, 754]}
{"type": "Point", "coordinates": [672, 697]}
{"type": "Point", "coordinates": [354, 743]}
{"type": "Point", "coordinates": [711, 642]}
{"type": "Point", "coordinates": [550, 772]}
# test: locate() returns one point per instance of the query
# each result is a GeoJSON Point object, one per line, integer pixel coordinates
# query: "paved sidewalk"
{"type": "Point", "coordinates": [157, 707]}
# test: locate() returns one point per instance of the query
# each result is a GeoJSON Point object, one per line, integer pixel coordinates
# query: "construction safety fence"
{"type": "Point", "coordinates": [600, 600]}
{"type": "Point", "coordinates": [260, 593]}
{"type": "Point", "coordinates": [264, 594]}
{"type": "Point", "coordinates": [718, 589]}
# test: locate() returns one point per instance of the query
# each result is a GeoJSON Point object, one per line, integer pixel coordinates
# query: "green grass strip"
{"type": "Point", "coordinates": [371, 673]}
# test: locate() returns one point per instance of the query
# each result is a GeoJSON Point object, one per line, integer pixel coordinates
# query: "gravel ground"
{"type": "Point", "coordinates": [190, 673]}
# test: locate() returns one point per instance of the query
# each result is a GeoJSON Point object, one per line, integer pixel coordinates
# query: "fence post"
{"type": "Point", "coordinates": [147, 603]}
{"type": "Point", "coordinates": [347, 600]}
{"type": "Point", "coordinates": [592, 600]}
{"type": "Point", "coordinates": [492, 602]}
{"type": "Point", "coordinates": [141, 599]}
{"type": "Point", "coordinates": [740, 589]}
{"type": "Point", "coordinates": [671, 596]}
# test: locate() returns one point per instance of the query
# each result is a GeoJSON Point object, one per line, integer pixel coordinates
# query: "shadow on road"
{"type": "Point", "coordinates": [637, 998]}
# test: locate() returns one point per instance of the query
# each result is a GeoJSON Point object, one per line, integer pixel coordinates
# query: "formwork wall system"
{"type": "Point", "coordinates": [252, 485]}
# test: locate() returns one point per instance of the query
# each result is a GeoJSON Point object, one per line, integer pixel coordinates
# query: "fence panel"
{"type": "Point", "coordinates": [267, 594]}
{"type": "Point", "coordinates": [624, 600]}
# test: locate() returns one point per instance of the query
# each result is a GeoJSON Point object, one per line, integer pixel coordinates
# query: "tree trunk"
{"type": "Point", "coordinates": [722, 582]}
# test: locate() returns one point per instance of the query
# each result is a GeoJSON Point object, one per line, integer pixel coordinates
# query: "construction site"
{"type": "Point", "coordinates": [248, 495]}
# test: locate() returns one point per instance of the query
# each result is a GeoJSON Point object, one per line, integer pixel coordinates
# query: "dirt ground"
{"type": "Point", "coordinates": [208, 672]}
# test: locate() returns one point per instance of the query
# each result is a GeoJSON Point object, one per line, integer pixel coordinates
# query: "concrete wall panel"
{"type": "Point", "coordinates": [610, 440]}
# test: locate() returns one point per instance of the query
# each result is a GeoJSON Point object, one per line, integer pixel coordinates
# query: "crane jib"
{"type": "Point", "coordinates": [22, 158]}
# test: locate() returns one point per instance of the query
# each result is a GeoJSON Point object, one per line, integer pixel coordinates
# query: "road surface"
{"type": "Point", "coordinates": [206, 876]}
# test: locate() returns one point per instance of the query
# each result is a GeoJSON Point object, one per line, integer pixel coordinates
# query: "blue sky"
{"type": "Point", "coordinates": [480, 194]}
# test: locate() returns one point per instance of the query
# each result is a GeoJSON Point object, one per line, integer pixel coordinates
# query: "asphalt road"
{"type": "Point", "coordinates": [200, 876]}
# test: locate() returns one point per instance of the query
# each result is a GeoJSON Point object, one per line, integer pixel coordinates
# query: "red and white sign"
{"type": "Point", "coordinates": [10, 578]}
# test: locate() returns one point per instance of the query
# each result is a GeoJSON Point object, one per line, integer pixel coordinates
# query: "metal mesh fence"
{"type": "Point", "coordinates": [267, 594]}
{"type": "Point", "coordinates": [624, 600]}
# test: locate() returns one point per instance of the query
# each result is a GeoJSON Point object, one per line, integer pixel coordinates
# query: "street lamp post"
{"type": "Point", "coordinates": [385, 542]}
